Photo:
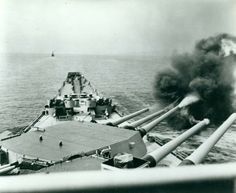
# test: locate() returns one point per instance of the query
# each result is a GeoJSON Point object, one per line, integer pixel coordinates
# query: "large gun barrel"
{"type": "Point", "coordinates": [157, 155]}
{"type": "Point", "coordinates": [127, 117]}
{"type": "Point", "coordinates": [139, 122]}
{"type": "Point", "coordinates": [5, 170]}
{"type": "Point", "coordinates": [146, 128]}
{"type": "Point", "coordinates": [188, 100]}
{"type": "Point", "coordinates": [201, 152]}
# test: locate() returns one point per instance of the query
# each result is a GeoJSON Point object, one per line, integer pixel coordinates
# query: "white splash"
{"type": "Point", "coordinates": [189, 99]}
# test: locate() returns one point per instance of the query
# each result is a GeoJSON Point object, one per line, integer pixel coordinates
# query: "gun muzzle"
{"type": "Point", "coordinates": [157, 155]}
{"type": "Point", "coordinates": [127, 117]}
{"type": "Point", "coordinates": [139, 122]}
{"type": "Point", "coordinates": [201, 152]}
{"type": "Point", "coordinates": [189, 99]}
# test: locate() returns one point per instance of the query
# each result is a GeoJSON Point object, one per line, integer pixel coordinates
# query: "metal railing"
{"type": "Point", "coordinates": [202, 178]}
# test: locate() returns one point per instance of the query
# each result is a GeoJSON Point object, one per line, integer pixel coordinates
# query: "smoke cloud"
{"type": "Point", "coordinates": [208, 71]}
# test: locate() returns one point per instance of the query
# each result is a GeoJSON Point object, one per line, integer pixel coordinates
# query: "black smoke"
{"type": "Point", "coordinates": [206, 71]}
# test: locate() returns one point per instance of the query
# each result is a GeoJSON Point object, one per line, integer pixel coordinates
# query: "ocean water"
{"type": "Point", "coordinates": [27, 81]}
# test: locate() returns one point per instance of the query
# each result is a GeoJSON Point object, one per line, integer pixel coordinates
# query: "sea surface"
{"type": "Point", "coordinates": [27, 81]}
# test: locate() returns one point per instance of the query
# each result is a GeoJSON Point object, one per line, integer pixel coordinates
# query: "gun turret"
{"type": "Point", "coordinates": [127, 117]}
{"type": "Point", "coordinates": [201, 152]}
{"type": "Point", "coordinates": [157, 155]}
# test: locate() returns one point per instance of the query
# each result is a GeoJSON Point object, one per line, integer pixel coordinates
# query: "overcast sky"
{"type": "Point", "coordinates": [111, 26]}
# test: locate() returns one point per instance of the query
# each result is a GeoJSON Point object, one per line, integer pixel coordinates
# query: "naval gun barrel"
{"type": "Point", "coordinates": [5, 170]}
{"type": "Point", "coordinates": [201, 152]}
{"type": "Point", "coordinates": [188, 100]}
{"type": "Point", "coordinates": [139, 122]}
{"type": "Point", "coordinates": [146, 128]}
{"type": "Point", "coordinates": [157, 155]}
{"type": "Point", "coordinates": [8, 167]}
{"type": "Point", "coordinates": [127, 117]}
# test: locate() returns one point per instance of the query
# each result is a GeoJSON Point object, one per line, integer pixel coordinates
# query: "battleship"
{"type": "Point", "coordinates": [81, 135]}
{"type": "Point", "coordinates": [81, 130]}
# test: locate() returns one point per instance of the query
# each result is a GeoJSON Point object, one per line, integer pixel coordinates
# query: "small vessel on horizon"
{"type": "Point", "coordinates": [52, 54]}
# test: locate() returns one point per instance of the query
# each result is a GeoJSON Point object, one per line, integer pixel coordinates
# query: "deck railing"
{"type": "Point", "coordinates": [203, 178]}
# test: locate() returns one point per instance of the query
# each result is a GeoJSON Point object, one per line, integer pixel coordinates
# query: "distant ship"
{"type": "Point", "coordinates": [52, 55]}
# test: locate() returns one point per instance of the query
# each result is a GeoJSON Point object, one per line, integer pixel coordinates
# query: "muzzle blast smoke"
{"type": "Point", "coordinates": [207, 72]}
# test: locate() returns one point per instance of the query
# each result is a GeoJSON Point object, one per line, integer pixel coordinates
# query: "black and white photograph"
{"type": "Point", "coordinates": [118, 96]}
